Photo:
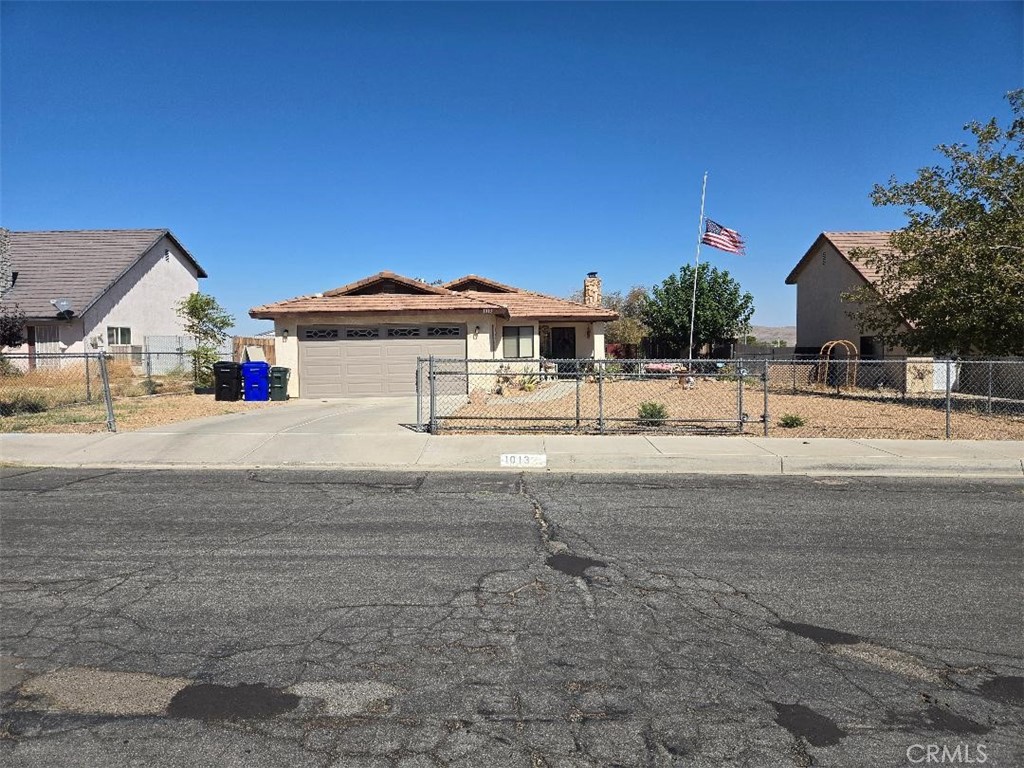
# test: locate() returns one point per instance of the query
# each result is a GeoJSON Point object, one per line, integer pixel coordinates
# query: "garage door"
{"type": "Point", "coordinates": [353, 361]}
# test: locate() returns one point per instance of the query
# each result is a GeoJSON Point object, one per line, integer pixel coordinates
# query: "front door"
{"type": "Point", "coordinates": [563, 343]}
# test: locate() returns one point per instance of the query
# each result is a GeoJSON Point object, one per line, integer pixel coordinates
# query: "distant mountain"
{"type": "Point", "coordinates": [773, 332]}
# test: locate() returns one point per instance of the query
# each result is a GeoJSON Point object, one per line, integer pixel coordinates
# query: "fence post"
{"type": "Point", "coordinates": [792, 365]}
{"type": "Point", "coordinates": [579, 376]}
{"type": "Point", "coordinates": [419, 392]}
{"type": "Point", "coordinates": [432, 383]}
{"type": "Point", "coordinates": [949, 403]}
{"type": "Point", "coordinates": [990, 386]}
{"type": "Point", "coordinates": [149, 373]}
{"type": "Point", "coordinates": [740, 371]}
{"type": "Point", "coordinates": [600, 397]}
{"type": "Point", "coordinates": [764, 378]}
{"type": "Point", "coordinates": [108, 401]}
{"type": "Point", "coordinates": [88, 383]}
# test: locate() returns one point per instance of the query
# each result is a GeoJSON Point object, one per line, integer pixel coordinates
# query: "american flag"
{"type": "Point", "coordinates": [723, 238]}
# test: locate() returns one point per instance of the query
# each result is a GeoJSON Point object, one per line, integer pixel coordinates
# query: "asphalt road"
{"type": "Point", "coordinates": [301, 618]}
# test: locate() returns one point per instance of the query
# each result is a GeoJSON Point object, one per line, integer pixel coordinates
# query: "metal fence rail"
{"type": "Point", "coordinates": [910, 398]}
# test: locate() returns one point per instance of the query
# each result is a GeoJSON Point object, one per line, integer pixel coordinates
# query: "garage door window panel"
{"type": "Point", "coordinates": [447, 331]}
{"type": "Point", "coordinates": [318, 334]}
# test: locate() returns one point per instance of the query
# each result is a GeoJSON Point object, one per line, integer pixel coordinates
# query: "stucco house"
{"type": "Point", "coordinates": [364, 338]}
{"type": "Point", "coordinates": [93, 290]}
{"type": "Point", "coordinates": [825, 272]}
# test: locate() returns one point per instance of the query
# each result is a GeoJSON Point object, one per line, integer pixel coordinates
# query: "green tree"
{"type": "Point", "coordinates": [12, 326]}
{"type": "Point", "coordinates": [723, 309]}
{"type": "Point", "coordinates": [630, 327]}
{"type": "Point", "coordinates": [207, 323]}
{"type": "Point", "coordinates": [953, 282]}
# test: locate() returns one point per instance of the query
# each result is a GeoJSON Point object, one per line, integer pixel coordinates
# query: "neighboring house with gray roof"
{"type": "Point", "coordinates": [90, 290]}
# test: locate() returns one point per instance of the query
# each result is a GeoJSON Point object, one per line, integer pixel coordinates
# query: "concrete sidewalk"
{"type": "Point", "coordinates": [224, 445]}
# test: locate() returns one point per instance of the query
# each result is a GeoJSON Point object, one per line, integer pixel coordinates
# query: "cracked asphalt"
{"type": "Point", "coordinates": [311, 618]}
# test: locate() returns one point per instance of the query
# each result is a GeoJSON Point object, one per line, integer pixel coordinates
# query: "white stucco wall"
{"type": "Point", "coordinates": [144, 298]}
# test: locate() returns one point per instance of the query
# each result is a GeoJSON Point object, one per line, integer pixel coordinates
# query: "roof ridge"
{"type": "Point", "coordinates": [66, 231]}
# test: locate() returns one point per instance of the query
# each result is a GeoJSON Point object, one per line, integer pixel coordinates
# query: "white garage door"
{"type": "Point", "coordinates": [349, 361]}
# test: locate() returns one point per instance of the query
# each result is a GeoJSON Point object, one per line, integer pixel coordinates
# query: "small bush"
{"type": "Point", "coordinates": [528, 383]}
{"type": "Point", "coordinates": [790, 420]}
{"type": "Point", "coordinates": [22, 403]}
{"type": "Point", "coordinates": [651, 414]}
{"type": "Point", "coordinates": [7, 368]}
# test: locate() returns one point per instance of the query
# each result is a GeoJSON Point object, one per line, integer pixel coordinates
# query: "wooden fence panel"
{"type": "Point", "coordinates": [239, 343]}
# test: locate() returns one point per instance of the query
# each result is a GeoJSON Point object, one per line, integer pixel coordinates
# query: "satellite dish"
{"type": "Point", "coordinates": [63, 307]}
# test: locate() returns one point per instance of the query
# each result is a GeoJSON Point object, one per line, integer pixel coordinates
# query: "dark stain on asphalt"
{"type": "Point", "coordinates": [573, 565]}
{"type": "Point", "coordinates": [937, 718]}
{"type": "Point", "coordinates": [804, 722]}
{"type": "Point", "coordinates": [1008, 689]}
{"type": "Point", "coordinates": [822, 635]}
{"type": "Point", "coordinates": [227, 702]}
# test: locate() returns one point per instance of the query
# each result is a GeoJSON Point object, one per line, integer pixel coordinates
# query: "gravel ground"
{"type": "Point", "coordinates": [824, 414]}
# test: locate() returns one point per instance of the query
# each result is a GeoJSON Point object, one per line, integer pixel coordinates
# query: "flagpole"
{"type": "Point", "coordinates": [696, 265]}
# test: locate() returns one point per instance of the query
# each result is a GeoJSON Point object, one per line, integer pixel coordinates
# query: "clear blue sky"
{"type": "Point", "coordinates": [296, 147]}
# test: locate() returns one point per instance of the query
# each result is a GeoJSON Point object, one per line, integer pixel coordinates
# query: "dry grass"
{"type": "Point", "coordinates": [55, 387]}
{"type": "Point", "coordinates": [131, 413]}
{"type": "Point", "coordinates": [851, 414]}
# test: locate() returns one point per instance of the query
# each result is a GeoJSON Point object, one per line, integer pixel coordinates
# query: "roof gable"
{"type": "Point", "coordinates": [79, 265]}
{"type": "Point", "coordinates": [845, 243]}
{"type": "Point", "coordinates": [479, 284]}
{"type": "Point", "coordinates": [387, 282]}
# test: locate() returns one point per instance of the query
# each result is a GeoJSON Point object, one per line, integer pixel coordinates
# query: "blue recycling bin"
{"type": "Point", "coordinates": [256, 381]}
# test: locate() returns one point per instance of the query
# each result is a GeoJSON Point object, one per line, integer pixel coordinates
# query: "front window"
{"type": "Point", "coordinates": [517, 341]}
{"type": "Point", "coordinates": [116, 335]}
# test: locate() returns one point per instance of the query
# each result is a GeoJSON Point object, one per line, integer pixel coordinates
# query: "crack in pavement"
{"type": "Point", "coordinates": [607, 659]}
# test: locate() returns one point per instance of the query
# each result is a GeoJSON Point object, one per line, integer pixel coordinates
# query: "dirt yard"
{"type": "Point", "coordinates": [710, 403]}
{"type": "Point", "coordinates": [131, 413]}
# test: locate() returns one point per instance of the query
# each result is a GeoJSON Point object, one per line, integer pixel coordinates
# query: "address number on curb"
{"type": "Point", "coordinates": [524, 459]}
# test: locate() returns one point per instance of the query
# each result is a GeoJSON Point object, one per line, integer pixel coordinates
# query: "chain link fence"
{"type": "Point", "coordinates": [914, 398]}
{"type": "Point", "coordinates": [69, 389]}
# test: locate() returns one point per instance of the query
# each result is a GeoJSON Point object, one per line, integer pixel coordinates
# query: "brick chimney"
{"type": "Point", "coordinates": [592, 290]}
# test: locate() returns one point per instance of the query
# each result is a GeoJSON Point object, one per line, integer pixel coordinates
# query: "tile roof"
{"type": "Point", "coordinates": [377, 303]}
{"type": "Point", "coordinates": [459, 284]}
{"type": "Point", "coordinates": [386, 276]}
{"type": "Point", "coordinates": [79, 265]}
{"type": "Point", "coordinates": [515, 304]}
{"type": "Point", "coordinates": [845, 242]}
{"type": "Point", "coordinates": [537, 306]}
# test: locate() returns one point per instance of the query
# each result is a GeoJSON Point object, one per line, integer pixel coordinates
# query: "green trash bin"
{"type": "Point", "coordinates": [279, 382]}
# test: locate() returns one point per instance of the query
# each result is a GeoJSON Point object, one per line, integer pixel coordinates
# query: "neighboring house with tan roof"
{"type": "Point", "coordinates": [828, 270]}
{"type": "Point", "coordinates": [92, 290]}
{"type": "Point", "coordinates": [364, 338]}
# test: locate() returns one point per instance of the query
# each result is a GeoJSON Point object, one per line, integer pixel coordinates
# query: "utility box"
{"type": "Point", "coordinates": [227, 381]}
{"type": "Point", "coordinates": [256, 381]}
{"type": "Point", "coordinates": [279, 382]}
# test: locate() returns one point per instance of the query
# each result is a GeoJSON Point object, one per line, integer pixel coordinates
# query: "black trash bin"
{"type": "Point", "coordinates": [227, 381]}
{"type": "Point", "coordinates": [279, 382]}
